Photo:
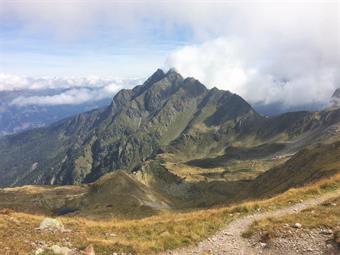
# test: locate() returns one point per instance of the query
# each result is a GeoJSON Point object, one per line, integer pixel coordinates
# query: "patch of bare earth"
{"type": "Point", "coordinates": [295, 241]}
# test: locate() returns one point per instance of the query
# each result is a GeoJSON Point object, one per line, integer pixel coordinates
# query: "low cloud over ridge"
{"type": "Point", "coordinates": [63, 91]}
{"type": "Point", "coordinates": [262, 76]}
{"type": "Point", "coordinates": [275, 52]}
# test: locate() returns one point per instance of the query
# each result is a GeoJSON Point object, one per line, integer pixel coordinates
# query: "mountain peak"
{"type": "Point", "coordinates": [172, 74]}
{"type": "Point", "coordinates": [335, 100]}
{"type": "Point", "coordinates": [336, 93]}
{"type": "Point", "coordinates": [159, 71]}
{"type": "Point", "coordinates": [172, 70]}
{"type": "Point", "coordinates": [156, 76]}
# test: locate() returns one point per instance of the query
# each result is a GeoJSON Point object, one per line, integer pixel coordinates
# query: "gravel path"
{"type": "Point", "coordinates": [229, 241]}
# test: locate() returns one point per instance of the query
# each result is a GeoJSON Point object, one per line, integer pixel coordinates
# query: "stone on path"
{"type": "Point", "coordinates": [297, 225]}
{"type": "Point", "coordinates": [326, 232]}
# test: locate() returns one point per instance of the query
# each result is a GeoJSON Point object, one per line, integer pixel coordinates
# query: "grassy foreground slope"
{"type": "Point", "coordinates": [146, 236]}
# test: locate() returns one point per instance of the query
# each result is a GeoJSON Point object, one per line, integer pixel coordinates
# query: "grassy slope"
{"type": "Point", "coordinates": [120, 195]}
{"type": "Point", "coordinates": [146, 236]}
{"type": "Point", "coordinates": [306, 166]}
{"type": "Point", "coordinates": [114, 195]}
{"type": "Point", "coordinates": [167, 186]}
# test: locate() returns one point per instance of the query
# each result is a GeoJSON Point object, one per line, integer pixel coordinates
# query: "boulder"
{"type": "Point", "coordinates": [39, 251]}
{"type": "Point", "coordinates": [51, 225]}
{"type": "Point", "coordinates": [61, 250]}
{"type": "Point", "coordinates": [297, 225]}
{"type": "Point", "coordinates": [263, 245]}
{"type": "Point", "coordinates": [89, 250]}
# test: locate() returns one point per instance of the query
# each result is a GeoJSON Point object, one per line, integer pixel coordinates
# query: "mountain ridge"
{"type": "Point", "coordinates": [168, 113]}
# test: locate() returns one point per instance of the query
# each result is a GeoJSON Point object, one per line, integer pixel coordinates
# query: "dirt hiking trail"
{"type": "Point", "coordinates": [229, 241]}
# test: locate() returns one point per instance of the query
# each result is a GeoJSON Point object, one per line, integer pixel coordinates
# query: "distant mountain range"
{"type": "Point", "coordinates": [167, 115]}
{"type": "Point", "coordinates": [15, 118]}
{"type": "Point", "coordinates": [40, 102]}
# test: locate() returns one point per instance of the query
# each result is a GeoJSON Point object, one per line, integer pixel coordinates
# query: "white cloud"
{"type": "Point", "coordinates": [63, 91]}
{"type": "Point", "coordinates": [12, 82]}
{"type": "Point", "coordinates": [228, 65]}
{"type": "Point", "coordinates": [270, 53]}
{"type": "Point", "coordinates": [9, 82]}
{"type": "Point", "coordinates": [72, 96]}
{"type": "Point", "coordinates": [203, 17]}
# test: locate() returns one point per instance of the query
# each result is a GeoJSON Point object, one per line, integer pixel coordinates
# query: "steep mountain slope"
{"type": "Point", "coordinates": [133, 128]}
{"type": "Point", "coordinates": [166, 114]}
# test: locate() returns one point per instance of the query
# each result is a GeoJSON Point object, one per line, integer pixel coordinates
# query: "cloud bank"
{"type": "Point", "coordinates": [69, 97]}
{"type": "Point", "coordinates": [203, 18]}
{"type": "Point", "coordinates": [286, 54]}
{"type": "Point", "coordinates": [294, 79]}
{"type": "Point", "coordinates": [62, 91]}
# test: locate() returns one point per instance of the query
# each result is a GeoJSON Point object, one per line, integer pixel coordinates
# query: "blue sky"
{"type": "Point", "coordinates": [104, 47]}
{"type": "Point", "coordinates": [274, 51]}
{"type": "Point", "coordinates": [104, 50]}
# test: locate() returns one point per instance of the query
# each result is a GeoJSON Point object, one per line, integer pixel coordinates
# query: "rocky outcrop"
{"type": "Point", "coordinates": [335, 101]}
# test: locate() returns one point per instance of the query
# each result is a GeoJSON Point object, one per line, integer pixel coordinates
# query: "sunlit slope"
{"type": "Point", "coordinates": [308, 165]}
